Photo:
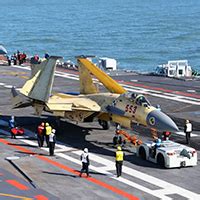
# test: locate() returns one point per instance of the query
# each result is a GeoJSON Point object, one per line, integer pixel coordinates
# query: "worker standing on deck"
{"type": "Point", "coordinates": [157, 143]}
{"type": "Point", "coordinates": [46, 55]}
{"type": "Point", "coordinates": [52, 142]}
{"type": "Point", "coordinates": [188, 130]}
{"type": "Point", "coordinates": [85, 162]}
{"type": "Point", "coordinates": [117, 139]}
{"type": "Point", "coordinates": [12, 125]}
{"type": "Point", "coordinates": [40, 134]}
{"type": "Point", "coordinates": [48, 130]}
{"type": "Point", "coordinates": [119, 160]}
{"type": "Point", "coordinates": [166, 135]}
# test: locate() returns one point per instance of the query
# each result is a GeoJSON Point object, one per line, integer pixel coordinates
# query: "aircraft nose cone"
{"type": "Point", "coordinates": [160, 121]}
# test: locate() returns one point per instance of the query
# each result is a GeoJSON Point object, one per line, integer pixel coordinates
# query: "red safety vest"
{"type": "Point", "coordinates": [40, 130]}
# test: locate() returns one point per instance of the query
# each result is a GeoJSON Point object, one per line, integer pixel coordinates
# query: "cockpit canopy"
{"type": "Point", "coordinates": [138, 99]}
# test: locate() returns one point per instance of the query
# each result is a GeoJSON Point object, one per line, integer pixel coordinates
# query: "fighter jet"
{"type": "Point", "coordinates": [117, 105]}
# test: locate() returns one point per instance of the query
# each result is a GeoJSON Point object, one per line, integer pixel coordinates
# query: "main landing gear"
{"type": "Point", "coordinates": [105, 125]}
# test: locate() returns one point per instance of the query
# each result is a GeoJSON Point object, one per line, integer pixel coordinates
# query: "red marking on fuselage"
{"type": "Point", "coordinates": [17, 185]}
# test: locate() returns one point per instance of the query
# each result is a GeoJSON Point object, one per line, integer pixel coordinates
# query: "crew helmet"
{"type": "Point", "coordinates": [158, 141]}
{"type": "Point", "coordinates": [47, 124]}
{"type": "Point", "coordinates": [119, 148]}
{"type": "Point", "coordinates": [86, 150]}
{"type": "Point", "coordinates": [53, 130]}
{"type": "Point", "coordinates": [117, 131]}
{"type": "Point", "coordinates": [187, 121]}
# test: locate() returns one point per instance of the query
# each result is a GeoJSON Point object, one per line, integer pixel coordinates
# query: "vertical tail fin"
{"type": "Point", "coordinates": [40, 85]}
{"type": "Point", "coordinates": [36, 67]}
{"type": "Point", "coordinates": [87, 85]}
{"type": "Point", "coordinates": [106, 80]}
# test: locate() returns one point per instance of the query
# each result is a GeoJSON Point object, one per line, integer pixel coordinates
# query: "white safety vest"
{"type": "Point", "coordinates": [189, 127]}
{"type": "Point", "coordinates": [51, 137]}
{"type": "Point", "coordinates": [84, 157]}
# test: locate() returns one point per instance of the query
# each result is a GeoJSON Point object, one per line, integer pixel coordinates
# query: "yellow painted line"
{"type": "Point", "coordinates": [15, 196]}
{"type": "Point", "coordinates": [20, 74]}
{"type": "Point", "coordinates": [14, 73]}
{"type": "Point", "coordinates": [25, 77]}
{"type": "Point", "coordinates": [182, 108]}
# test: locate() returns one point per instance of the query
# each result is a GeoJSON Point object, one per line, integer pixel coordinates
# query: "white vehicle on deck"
{"type": "Point", "coordinates": [169, 155]}
{"type": "Point", "coordinates": [107, 64]}
{"type": "Point", "coordinates": [175, 68]}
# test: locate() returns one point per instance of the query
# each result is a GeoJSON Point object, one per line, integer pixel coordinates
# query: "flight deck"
{"type": "Point", "coordinates": [57, 177]}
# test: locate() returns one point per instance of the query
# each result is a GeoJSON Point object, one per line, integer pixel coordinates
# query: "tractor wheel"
{"type": "Point", "coordinates": [142, 153]}
{"type": "Point", "coordinates": [161, 160]}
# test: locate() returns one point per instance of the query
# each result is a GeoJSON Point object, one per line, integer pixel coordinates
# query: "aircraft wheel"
{"type": "Point", "coordinates": [142, 153]}
{"type": "Point", "coordinates": [104, 124]}
{"type": "Point", "coordinates": [161, 160]}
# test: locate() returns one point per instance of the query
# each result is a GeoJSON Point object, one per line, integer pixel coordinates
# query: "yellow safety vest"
{"type": "Point", "coordinates": [48, 130]}
{"type": "Point", "coordinates": [119, 156]}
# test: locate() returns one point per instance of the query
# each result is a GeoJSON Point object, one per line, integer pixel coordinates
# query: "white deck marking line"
{"type": "Point", "coordinates": [160, 193]}
{"type": "Point", "coordinates": [107, 168]}
{"type": "Point", "coordinates": [160, 92]}
{"type": "Point", "coordinates": [8, 86]}
{"type": "Point", "coordinates": [174, 98]}
{"type": "Point", "coordinates": [134, 80]}
{"type": "Point", "coordinates": [182, 133]}
{"type": "Point", "coordinates": [61, 150]}
{"type": "Point", "coordinates": [191, 91]}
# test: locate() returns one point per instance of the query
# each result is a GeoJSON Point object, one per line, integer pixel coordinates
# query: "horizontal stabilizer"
{"type": "Point", "coordinates": [17, 100]}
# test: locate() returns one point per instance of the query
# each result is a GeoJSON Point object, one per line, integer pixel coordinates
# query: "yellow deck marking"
{"type": "Point", "coordinates": [20, 74]}
{"type": "Point", "coordinates": [182, 108]}
{"type": "Point", "coordinates": [15, 196]}
{"type": "Point", "coordinates": [14, 73]}
{"type": "Point", "coordinates": [25, 77]}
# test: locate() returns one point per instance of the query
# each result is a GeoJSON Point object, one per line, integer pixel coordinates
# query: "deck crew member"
{"type": "Point", "coordinates": [155, 145]}
{"type": "Point", "coordinates": [52, 142]}
{"type": "Point", "coordinates": [117, 139]}
{"type": "Point", "coordinates": [166, 135]}
{"type": "Point", "coordinates": [12, 125]}
{"type": "Point", "coordinates": [40, 134]}
{"type": "Point", "coordinates": [188, 130]}
{"type": "Point", "coordinates": [48, 130]}
{"type": "Point", "coordinates": [85, 162]}
{"type": "Point", "coordinates": [46, 55]}
{"type": "Point", "coordinates": [119, 160]}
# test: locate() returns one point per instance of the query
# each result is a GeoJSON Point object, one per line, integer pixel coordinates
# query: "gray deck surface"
{"type": "Point", "coordinates": [57, 177]}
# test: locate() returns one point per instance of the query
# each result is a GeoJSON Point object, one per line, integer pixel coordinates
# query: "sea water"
{"type": "Point", "coordinates": [138, 34]}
